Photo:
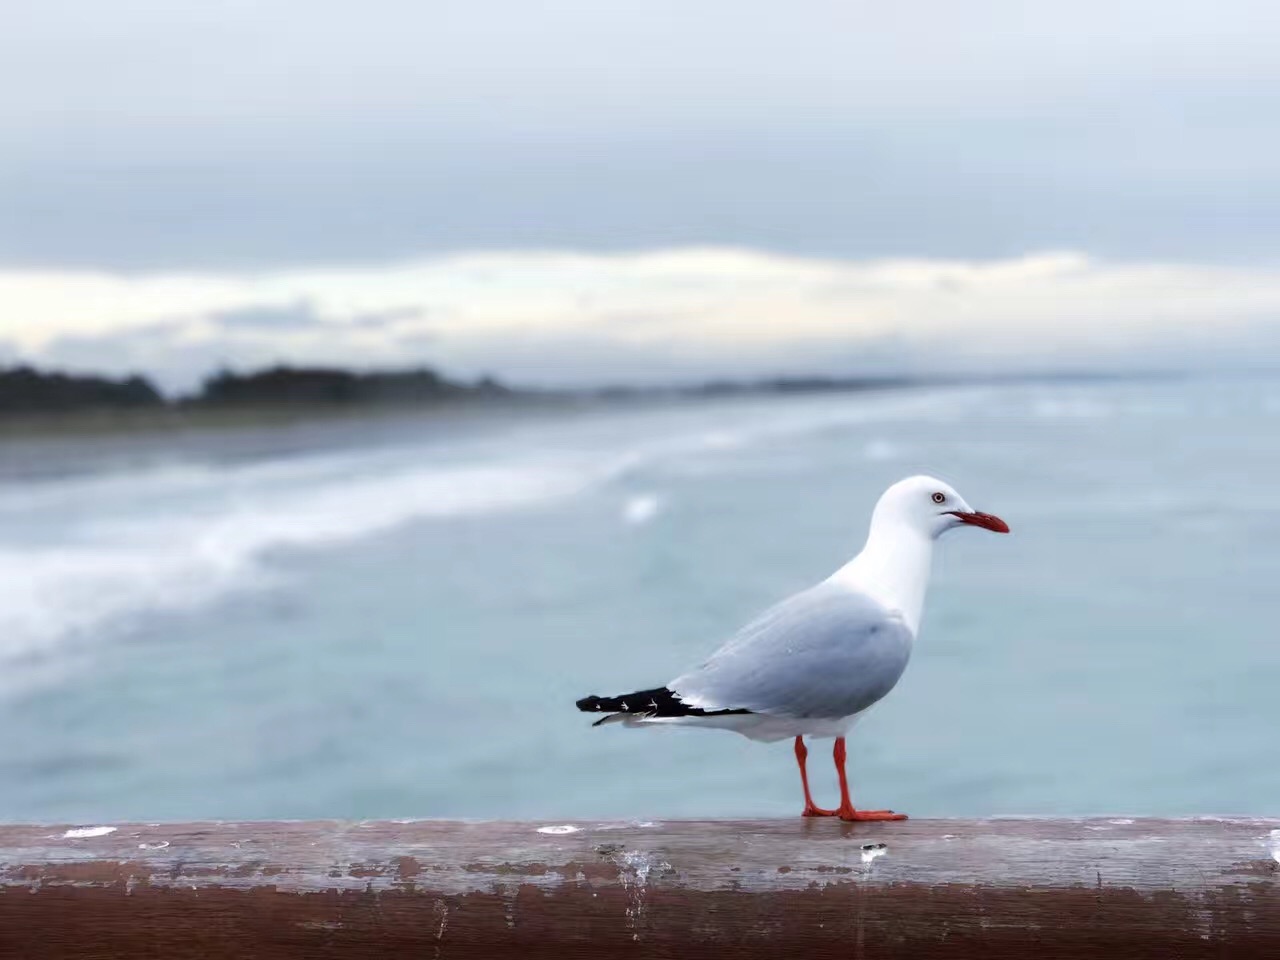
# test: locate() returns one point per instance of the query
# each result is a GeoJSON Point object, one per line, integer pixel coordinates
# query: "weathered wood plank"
{"type": "Point", "coordinates": [804, 888]}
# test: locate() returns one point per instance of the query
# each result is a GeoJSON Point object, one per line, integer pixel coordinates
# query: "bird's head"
{"type": "Point", "coordinates": [932, 507]}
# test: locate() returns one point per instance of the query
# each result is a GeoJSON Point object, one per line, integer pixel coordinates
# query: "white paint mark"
{"type": "Point", "coordinates": [640, 864]}
{"type": "Point", "coordinates": [86, 833]}
{"type": "Point", "coordinates": [1204, 922]}
{"type": "Point", "coordinates": [639, 510]}
{"type": "Point", "coordinates": [561, 829]}
{"type": "Point", "coordinates": [635, 880]}
{"type": "Point", "coordinates": [1275, 845]}
{"type": "Point", "coordinates": [153, 846]}
{"type": "Point", "coordinates": [873, 851]}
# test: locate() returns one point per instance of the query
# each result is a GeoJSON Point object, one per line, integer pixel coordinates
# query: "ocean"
{"type": "Point", "coordinates": [393, 617]}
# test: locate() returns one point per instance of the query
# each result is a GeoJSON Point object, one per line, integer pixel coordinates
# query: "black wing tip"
{"type": "Point", "coordinates": [658, 702]}
{"type": "Point", "coordinates": [639, 702]}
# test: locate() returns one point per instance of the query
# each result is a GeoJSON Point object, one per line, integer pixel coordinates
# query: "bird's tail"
{"type": "Point", "coordinates": [644, 705]}
{"type": "Point", "coordinates": [638, 704]}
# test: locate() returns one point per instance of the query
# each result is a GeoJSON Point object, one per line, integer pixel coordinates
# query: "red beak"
{"type": "Point", "coordinates": [986, 521]}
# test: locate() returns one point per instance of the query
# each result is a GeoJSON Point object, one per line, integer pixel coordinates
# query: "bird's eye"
{"type": "Point", "coordinates": [939, 498]}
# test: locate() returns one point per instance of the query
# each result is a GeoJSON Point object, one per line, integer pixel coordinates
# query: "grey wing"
{"type": "Point", "coordinates": [828, 652]}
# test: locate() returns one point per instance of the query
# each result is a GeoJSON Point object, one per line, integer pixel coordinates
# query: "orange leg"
{"type": "Point", "coordinates": [810, 809]}
{"type": "Point", "coordinates": [846, 810]}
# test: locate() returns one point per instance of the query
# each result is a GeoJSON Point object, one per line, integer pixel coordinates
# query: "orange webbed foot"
{"type": "Point", "coordinates": [819, 812]}
{"type": "Point", "coordinates": [850, 815]}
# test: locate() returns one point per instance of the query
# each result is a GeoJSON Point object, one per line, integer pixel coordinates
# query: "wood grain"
{"type": "Point", "coordinates": [791, 888]}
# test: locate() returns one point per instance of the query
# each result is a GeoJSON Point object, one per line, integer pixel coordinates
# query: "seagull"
{"type": "Point", "coordinates": [812, 664]}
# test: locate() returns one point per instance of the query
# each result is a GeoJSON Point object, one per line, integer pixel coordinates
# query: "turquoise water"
{"type": "Point", "coordinates": [394, 619]}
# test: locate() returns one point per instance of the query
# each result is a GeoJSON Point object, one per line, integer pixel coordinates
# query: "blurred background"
{"type": "Point", "coordinates": [377, 379]}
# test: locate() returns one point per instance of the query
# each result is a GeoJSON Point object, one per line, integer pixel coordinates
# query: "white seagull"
{"type": "Point", "coordinates": [813, 663]}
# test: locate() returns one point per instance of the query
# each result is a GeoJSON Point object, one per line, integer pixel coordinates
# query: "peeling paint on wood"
{"type": "Point", "coordinates": [812, 888]}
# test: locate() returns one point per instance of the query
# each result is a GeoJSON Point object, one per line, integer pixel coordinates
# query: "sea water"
{"type": "Point", "coordinates": [394, 618]}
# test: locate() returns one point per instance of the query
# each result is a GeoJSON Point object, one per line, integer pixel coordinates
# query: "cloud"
{"type": "Point", "coordinates": [556, 316]}
{"type": "Point", "coordinates": [302, 316]}
{"type": "Point", "coordinates": [298, 316]}
{"type": "Point", "coordinates": [982, 129]}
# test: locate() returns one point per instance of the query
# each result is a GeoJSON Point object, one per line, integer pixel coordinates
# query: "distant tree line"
{"type": "Point", "coordinates": [318, 385]}
{"type": "Point", "coordinates": [25, 390]}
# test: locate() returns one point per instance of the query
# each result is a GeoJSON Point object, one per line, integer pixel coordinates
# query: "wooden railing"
{"type": "Point", "coordinates": [1026, 889]}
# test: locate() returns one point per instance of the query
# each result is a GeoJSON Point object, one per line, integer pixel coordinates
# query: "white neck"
{"type": "Point", "coordinates": [893, 568]}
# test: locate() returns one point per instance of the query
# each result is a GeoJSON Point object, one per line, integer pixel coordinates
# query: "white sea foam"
{"type": "Point", "coordinates": [84, 554]}
{"type": "Point", "coordinates": [164, 551]}
{"type": "Point", "coordinates": [641, 509]}
{"type": "Point", "coordinates": [1072, 408]}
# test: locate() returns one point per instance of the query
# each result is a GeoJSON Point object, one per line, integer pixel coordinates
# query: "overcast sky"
{"type": "Point", "coordinates": [536, 187]}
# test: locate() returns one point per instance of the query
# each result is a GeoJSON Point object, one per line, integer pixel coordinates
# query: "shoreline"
{"type": "Point", "coordinates": [182, 418]}
{"type": "Point", "coordinates": [185, 418]}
